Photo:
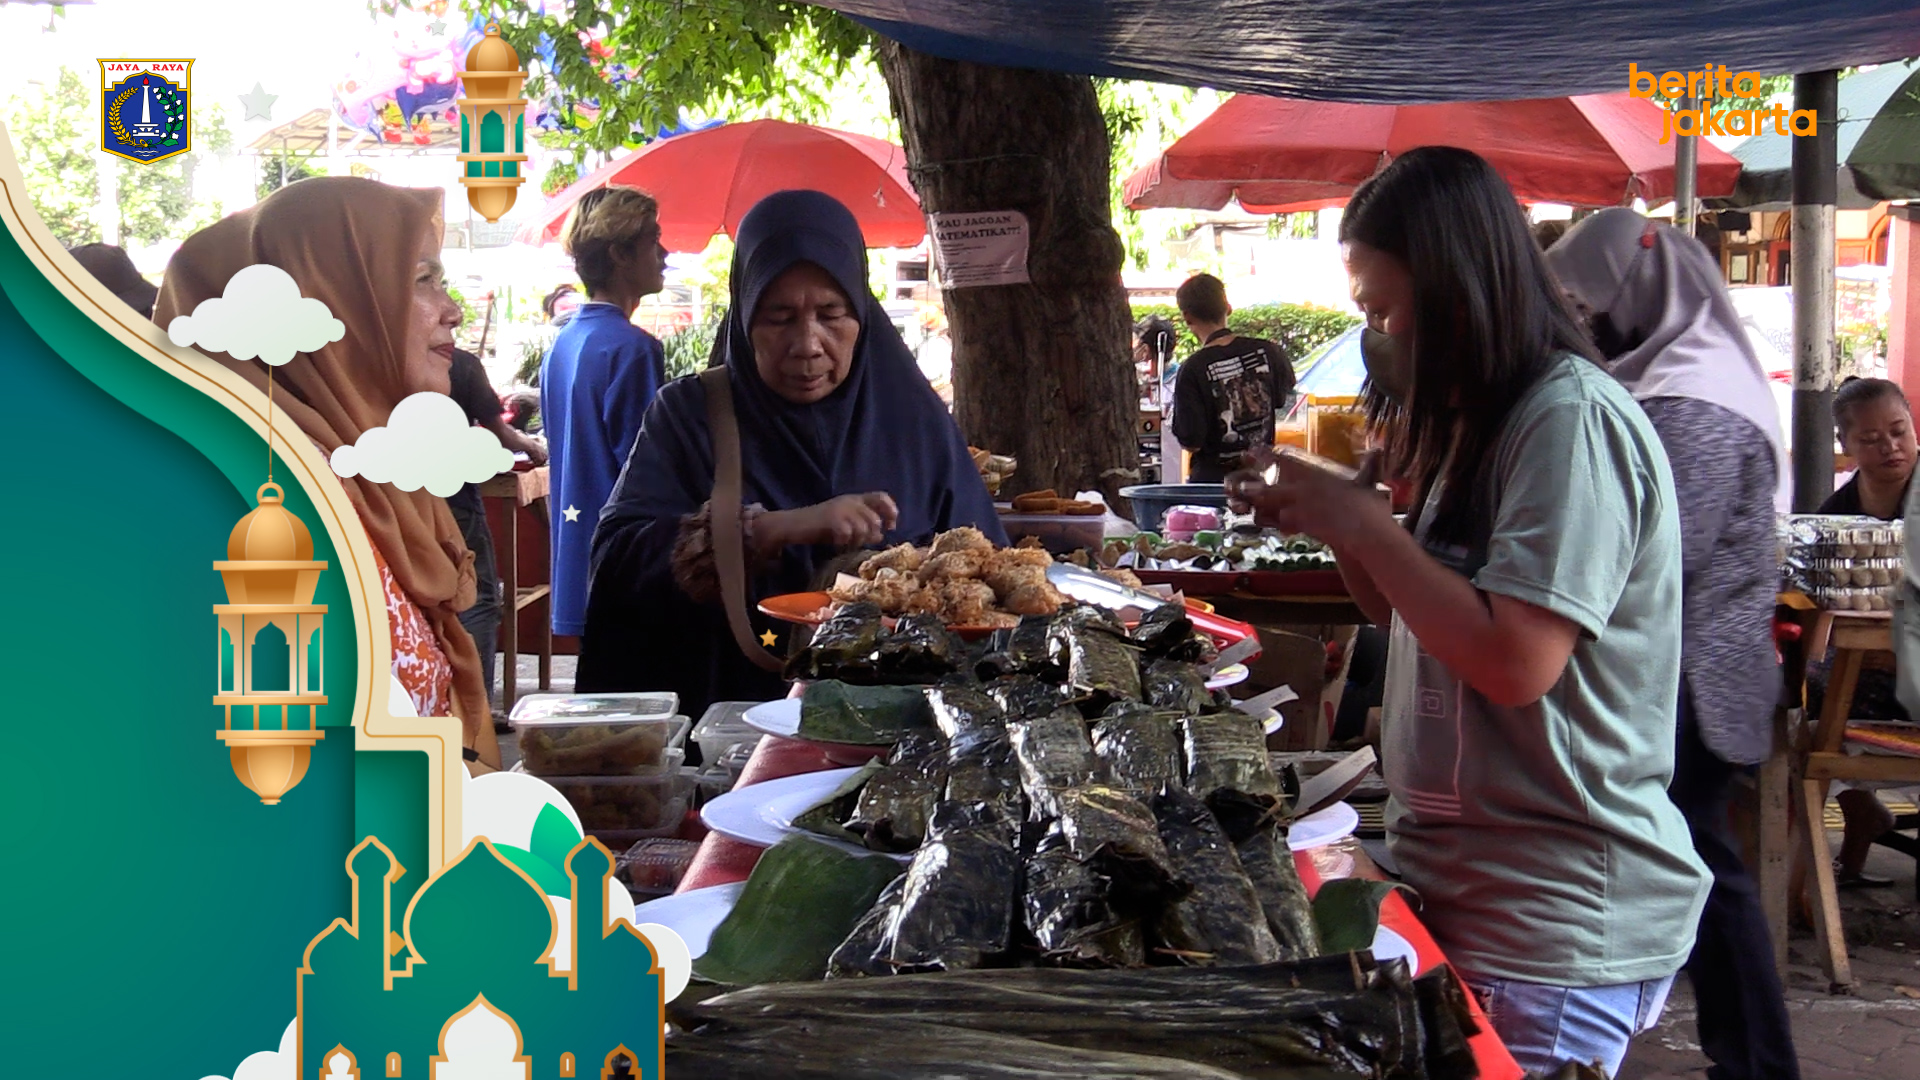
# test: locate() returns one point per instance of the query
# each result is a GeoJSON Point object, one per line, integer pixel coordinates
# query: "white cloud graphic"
{"type": "Point", "coordinates": [269, 1064]}
{"type": "Point", "coordinates": [260, 314]}
{"type": "Point", "coordinates": [427, 443]}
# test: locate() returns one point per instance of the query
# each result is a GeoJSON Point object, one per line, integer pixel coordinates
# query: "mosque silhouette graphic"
{"type": "Point", "coordinates": [379, 994]}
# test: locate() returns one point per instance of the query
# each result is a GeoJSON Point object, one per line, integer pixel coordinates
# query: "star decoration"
{"type": "Point", "coordinates": [570, 514]}
{"type": "Point", "coordinates": [768, 639]}
{"type": "Point", "coordinates": [438, 27]}
{"type": "Point", "coordinates": [259, 103]}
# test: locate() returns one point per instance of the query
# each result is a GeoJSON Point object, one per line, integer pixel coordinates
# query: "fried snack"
{"type": "Point", "coordinates": [1000, 620]}
{"type": "Point", "coordinates": [954, 564]}
{"type": "Point", "coordinates": [892, 590]}
{"type": "Point", "coordinates": [1008, 578]}
{"type": "Point", "coordinates": [964, 538]}
{"type": "Point", "coordinates": [1036, 502]}
{"type": "Point", "coordinates": [1080, 509]}
{"type": "Point", "coordinates": [1122, 575]}
{"type": "Point", "coordinates": [851, 591]}
{"type": "Point", "coordinates": [965, 602]}
{"type": "Point", "coordinates": [904, 557]}
{"type": "Point", "coordinates": [1038, 598]}
{"type": "Point", "coordinates": [925, 600]}
{"type": "Point", "coordinates": [1030, 543]}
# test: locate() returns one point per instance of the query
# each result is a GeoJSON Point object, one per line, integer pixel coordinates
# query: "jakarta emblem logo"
{"type": "Point", "coordinates": [144, 112]}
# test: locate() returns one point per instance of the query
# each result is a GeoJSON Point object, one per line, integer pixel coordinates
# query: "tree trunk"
{"type": "Point", "coordinates": [1041, 371]}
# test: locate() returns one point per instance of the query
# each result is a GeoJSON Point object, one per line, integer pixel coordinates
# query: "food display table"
{"type": "Point", "coordinates": [721, 861]}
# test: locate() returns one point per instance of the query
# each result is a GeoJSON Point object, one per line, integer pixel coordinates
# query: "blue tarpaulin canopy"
{"type": "Point", "coordinates": [1400, 53]}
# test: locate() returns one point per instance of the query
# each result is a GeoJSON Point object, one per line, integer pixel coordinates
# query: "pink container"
{"type": "Point", "coordinates": [1183, 521]}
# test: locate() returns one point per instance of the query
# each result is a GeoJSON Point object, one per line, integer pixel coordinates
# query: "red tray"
{"type": "Point", "coordinates": [1295, 583]}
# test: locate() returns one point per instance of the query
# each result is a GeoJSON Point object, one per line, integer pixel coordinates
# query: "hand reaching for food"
{"type": "Point", "coordinates": [852, 520]}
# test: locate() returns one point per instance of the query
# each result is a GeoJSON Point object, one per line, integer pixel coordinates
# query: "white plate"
{"type": "Point", "coordinates": [1386, 946]}
{"type": "Point", "coordinates": [782, 717]}
{"type": "Point", "coordinates": [1336, 822]}
{"type": "Point", "coordinates": [762, 814]}
{"type": "Point", "coordinates": [694, 915]}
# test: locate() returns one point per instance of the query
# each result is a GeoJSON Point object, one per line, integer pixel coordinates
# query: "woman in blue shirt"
{"type": "Point", "coordinates": [598, 380]}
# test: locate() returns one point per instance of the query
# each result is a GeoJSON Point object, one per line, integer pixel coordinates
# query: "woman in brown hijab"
{"type": "Point", "coordinates": [371, 253]}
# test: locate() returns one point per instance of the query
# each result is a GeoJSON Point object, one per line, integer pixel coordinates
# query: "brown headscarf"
{"type": "Point", "coordinates": [352, 244]}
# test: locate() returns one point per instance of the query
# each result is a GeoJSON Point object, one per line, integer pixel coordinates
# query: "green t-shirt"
{"type": "Point", "coordinates": [1541, 838]}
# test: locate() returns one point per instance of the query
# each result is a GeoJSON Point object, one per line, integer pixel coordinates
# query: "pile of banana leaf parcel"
{"type": "Point", "coordinates": [1071, 860]}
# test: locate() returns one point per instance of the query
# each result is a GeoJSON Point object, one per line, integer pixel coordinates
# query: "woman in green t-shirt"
{"type": "Point", "coordinates": [1534, 601]}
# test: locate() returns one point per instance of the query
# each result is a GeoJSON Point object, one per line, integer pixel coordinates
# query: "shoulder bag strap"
{"type": "Point", "coordinates": [729, 551]}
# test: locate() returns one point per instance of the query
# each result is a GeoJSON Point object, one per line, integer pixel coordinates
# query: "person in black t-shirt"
{"type": "Point", "coordinates": [476, 396]}
{"type": "Point", "coordinates": [1226, 394]}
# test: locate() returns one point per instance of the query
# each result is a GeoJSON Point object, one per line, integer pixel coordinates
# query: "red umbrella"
{"type": "Point", "coordinates": [1282, 154]}
{"type": "Point", "coordinates": [706, 182]}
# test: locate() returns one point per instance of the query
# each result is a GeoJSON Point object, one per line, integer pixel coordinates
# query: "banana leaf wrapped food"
{"type": "Point", "coordinates": [1167, 632]}
{"type": "Point", "coordinates": [1067, 909]}
{"type": "Point", "coordinates": [1054, 753]}
{"type": "Point", "coordinates": [1116, 835]}
{"type": "Point", "coordinates": [1023, 697]}
{"type": "Point", "coordinates": [866, 952]}
{"type": "Point", "coordinates": [1138, 748]}
{"type": "Point", "coordinates": [919, 649]}
{"type": "Point", "coordinates": [966, 715]}
{"type": "Point", "coordinates": [1099, 662]}
{"type": "Point", "coordinates": [1221, 920]}
{"type": "Point", "coordinates": [1227, 752]}
{"type": "Point", "coordinates": [892, 811]}
{"type": "Point", "coordinates": [1261, 842]}
{"type": "Point", "coordinates": [829, 817]}
{"type": "Point", "coordinates": [956, 908]}
{"type": "Point", "coordinates": [1027, 649]}
{"type": "Point", "coordinates": [1334, 1018]}
{"type": "Point", "coordinates": [1180, 687]}
{"type": "Point", "coordinates": [837, 712]}
{"type": "Point", "coordinates": [843, 647]}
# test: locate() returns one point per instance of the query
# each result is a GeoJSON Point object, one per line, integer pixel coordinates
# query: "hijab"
{"type": "Point", "coordinates": [352, 244]}
{"type": "Point", "coordinates": [113, 267]}
{"type": "Point", "coordinates": [883, 428]}
{"type": "Point", "coordinates": [1675, 332]}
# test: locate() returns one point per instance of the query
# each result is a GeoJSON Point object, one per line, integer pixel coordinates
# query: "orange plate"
{"type": "Point", "coordinates": [804, 608]}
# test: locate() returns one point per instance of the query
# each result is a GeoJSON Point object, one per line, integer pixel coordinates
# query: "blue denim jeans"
{"type": "Point", "coordinates": [1546, 1026]}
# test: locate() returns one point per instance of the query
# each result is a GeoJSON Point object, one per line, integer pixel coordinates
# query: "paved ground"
{"type": "Point", "coordinates": [1873, 1034]}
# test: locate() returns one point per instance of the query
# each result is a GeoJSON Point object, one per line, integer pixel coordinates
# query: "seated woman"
{"type": "Point", "coordinates": [843, 444]}
{"type": "Point", "coordinates": [1875, 426]}
{"type": "Point", "coordinates": [371, 253]}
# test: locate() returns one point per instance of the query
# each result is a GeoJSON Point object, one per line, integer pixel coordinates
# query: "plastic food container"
{"type": "Point", "coordinates": [622, 809]}
{"type": "Point", "coordinates": [643, 706]}
{"type": "Point", "coordinates": [1061, 534]}
{"type": "Point", "coordinates": [1182, 522]}
{"type": "Point", "coordinates": [610, 745]}
{"type": "Point", "coordinates": [1152, 501]}
{"type": "Point", "coordinates": [655, 866]}
{"type": "Point", "coordinates": [721, 729]}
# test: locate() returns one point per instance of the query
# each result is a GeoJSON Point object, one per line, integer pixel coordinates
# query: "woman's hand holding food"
{"type": "Point", "coordinates": [847, 521]}
{"type": "Point", "coordinates": [1294, 496]}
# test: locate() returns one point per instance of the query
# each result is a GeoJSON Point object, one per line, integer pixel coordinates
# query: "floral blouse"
{"type": "Point", "coordinates": [418, 661]}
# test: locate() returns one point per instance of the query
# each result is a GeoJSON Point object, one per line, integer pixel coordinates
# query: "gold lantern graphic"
{"type": "Point", "coordinates": [493, 113]}
{"type": "Point", "coordinates": [272, 654]}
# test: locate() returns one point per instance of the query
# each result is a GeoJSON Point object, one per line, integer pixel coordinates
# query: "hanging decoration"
{"type": "Point", "coordinates": [492, 118]}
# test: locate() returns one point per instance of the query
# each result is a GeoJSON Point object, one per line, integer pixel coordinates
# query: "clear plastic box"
{"type": "Point", "coordinates": [719, 730]}
{"type": "Point", "coordinates": [640, 706]}
{"type": "Point", "coordinates": [622, 809]}
{"type": "Point", "coordinates": [655, 866]}
{"type": "Point", "coordinates": [598, 745]}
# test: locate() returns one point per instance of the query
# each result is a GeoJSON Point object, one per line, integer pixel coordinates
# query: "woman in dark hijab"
{"type": "Point", "coordinates": [843, 444]}
{"type": "Point", "coordinates": [114, 268]}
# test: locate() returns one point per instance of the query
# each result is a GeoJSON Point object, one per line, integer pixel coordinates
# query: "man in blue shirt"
{"type": "Point", "coordinates": [599, 378]}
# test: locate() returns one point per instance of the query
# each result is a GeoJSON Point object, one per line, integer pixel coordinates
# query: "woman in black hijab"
{"type": "Point", "coordinates": [843, 444]}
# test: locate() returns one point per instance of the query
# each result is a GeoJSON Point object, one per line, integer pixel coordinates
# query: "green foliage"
{"type": "Point", "coordinates": [687, 349]}
{"type": "Point", "coordinates": [1142, 118]}
{"type": "Point", "coordinates": [1297, 328]}
{"type": "Point", "coordinates": [711, 56]}
{"type": "Point", "coordinates": [56, 149]}
{"type": "Point", "coordinates": [298, 167]}
{"type": "Point", "coordinates": [560, 175]}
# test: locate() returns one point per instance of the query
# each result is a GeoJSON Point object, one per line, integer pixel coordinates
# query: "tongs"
{"type": "Point", "coordinates": [1091, 588]}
